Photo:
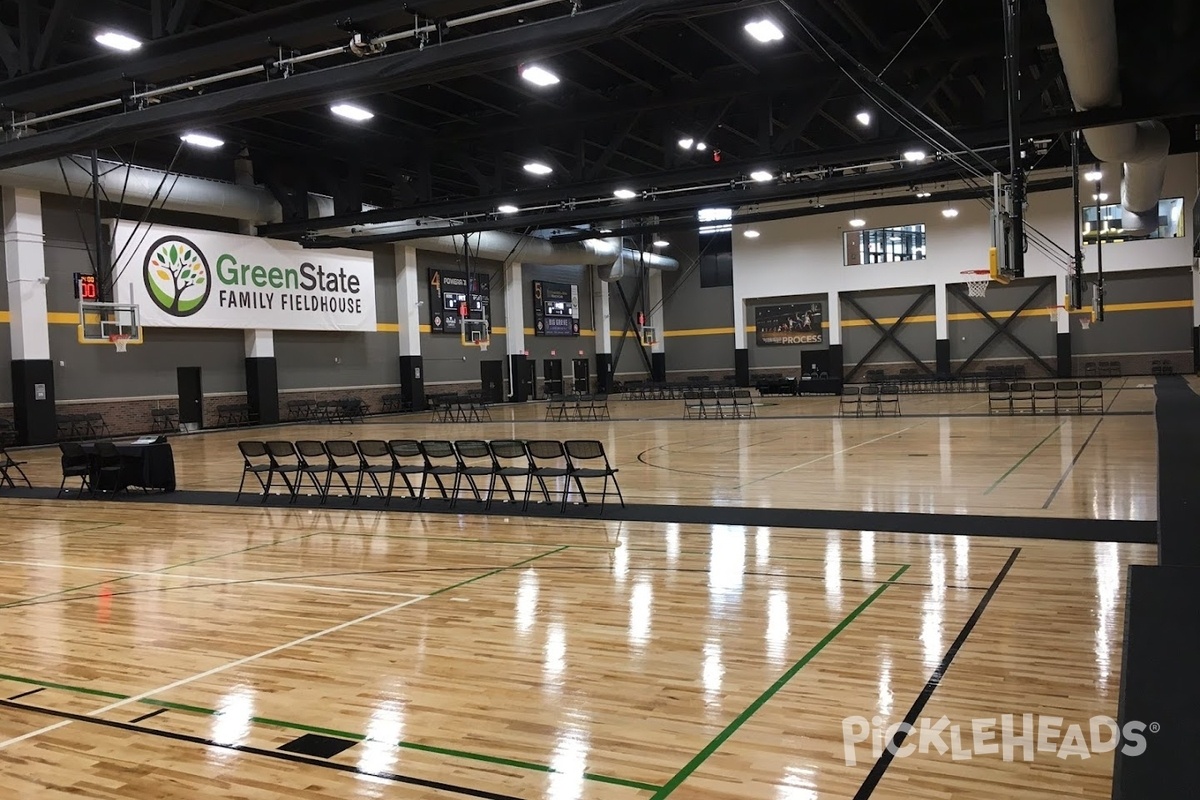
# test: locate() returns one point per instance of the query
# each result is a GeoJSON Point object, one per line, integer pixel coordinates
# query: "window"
{"type": "Point", "coordinates": [880, 245]}
{"type": "Point", "coordinates": [1170, 222]}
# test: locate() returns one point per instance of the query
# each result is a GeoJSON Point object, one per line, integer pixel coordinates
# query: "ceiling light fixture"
{"type": "Point", "coordinates": [661, 243]}
{"type": "Point", "coordinates": [762, 176]}
{"type": "Point", "coordinates": [686, 143]}
{"type": "Point", "coordinates": [764, 30]}
{"type": "Point", "coordinates": [118, 41]}
{"type": "Point", "coordinates": [913, 156]}
{"type": "Point", "coordinates": [949, 213]}
{"type": "Point", "coordinates": [202, 140]}
{"type": "Point", "coordinates": [538, 168]}
{"type": "Point", "coordinates": [507, 209]}
{"type": "Point", "coordinates": [751, 234]}
{"type": "Point", "coordinates": [922, 195]}
{"type": "Point", "coordinates": [351, 112]}
{"type": "Point", "coordinates": [1093, 175]}
{"type": "Point", "coordinates": [701, 146]}
{"type": "Point", "coordinates": [624, 194]}
{"type": "Point", "coordinates": [857, 222]}
{"type": "Point", "coordinates": [1101, 197]}
{"type": "Point", "coordinates": [863, 117]}
{"type": "Point", "coordinates": [539, 76]}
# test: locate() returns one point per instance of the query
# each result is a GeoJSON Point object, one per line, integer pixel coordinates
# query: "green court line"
{"type": "Point", "coordinates": [63, 686]}
{"type": "Point", "coordinates": [1013, 468]}
{"type": "Point", "coordinates": [741, 719]}
{"type": "Point", "coordinates": [163, 569]}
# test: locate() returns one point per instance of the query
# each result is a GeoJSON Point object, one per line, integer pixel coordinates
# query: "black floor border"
{"type": "Point", "coordinates": [259, 751]}
{"type": "Point", "coordinates": [1011, 527]}
{"type": "Point", "coordinates": [876, 774]}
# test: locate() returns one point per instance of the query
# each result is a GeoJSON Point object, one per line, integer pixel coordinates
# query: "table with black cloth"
{"type": "Point", "coordinates": [143, 466]}
{"type": "Point", "coordinates": [802, 386]}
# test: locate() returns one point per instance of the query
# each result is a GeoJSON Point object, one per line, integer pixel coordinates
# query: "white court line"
{"type": "Point", "coordinates": [831, 455]}
{"type": "Point", "coordinates": [226, 581]}
{"type": "Point", "coordinates": [215, 670]}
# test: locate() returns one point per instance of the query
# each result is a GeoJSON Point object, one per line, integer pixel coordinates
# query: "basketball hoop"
{"type": "Point", "coordinates": [977, 281]}
{"type": "Point", "coordinates": [1052, 311]}
{"type": "Point", "coordinates": [1085, 323]}
{"type": "Point", "coordinates": [120, 340]}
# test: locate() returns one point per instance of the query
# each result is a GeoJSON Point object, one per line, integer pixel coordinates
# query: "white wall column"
{"type": "Point", "coordinates": [654, 301]}
{"type": "Point", "coordinates": [408, 301]}
{"type": "Point", "coordinates": [941, 312]}
{"type": "Point", "coordinates": [739, 324]}
{"type": "Point", "coordinates": [833, 315]}
{"type": "Point", "coordinates": [514, 310]}
{"type": "Point", "coordinates": [25, 267]}
{"type": "Point", "coordinates": [1196, 294]}
{"type": "Point", "coordinates": [601, 313]}
{"type": "Point", "coordinates": [260, 343]}
{"type": "Point", "coordinates": [1060, 291]}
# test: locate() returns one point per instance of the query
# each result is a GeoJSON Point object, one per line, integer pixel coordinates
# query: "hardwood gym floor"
{"type": "Point", "coordinates": [160, 651]}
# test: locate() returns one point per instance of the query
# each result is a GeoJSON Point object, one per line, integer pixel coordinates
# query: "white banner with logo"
{"type": "Point", "coordinates": [184, 278]}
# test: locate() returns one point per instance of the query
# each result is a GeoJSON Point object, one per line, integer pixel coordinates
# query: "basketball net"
{"type": "Point", "coordinates": [120, 340]}
{"type": "Point", "coordinates": [977, 281]}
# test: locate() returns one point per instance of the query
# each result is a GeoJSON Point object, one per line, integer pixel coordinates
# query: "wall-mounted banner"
{"type": "Point", "coordinates": [449, 292]}
{"type": "Point", "coordinates": [555, 309]}
{"type": "Point", "coordinates": [799, 323]}
{"type": "Point", "coordinates": [184, 278]}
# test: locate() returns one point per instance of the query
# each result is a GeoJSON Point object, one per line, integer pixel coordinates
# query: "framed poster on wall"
{"type": "Point", "coordinates": [555, 309]}
{"type": "Point", "coordinates": [450, 293]}
{"type": "Point", "coordinates": [796, 323]}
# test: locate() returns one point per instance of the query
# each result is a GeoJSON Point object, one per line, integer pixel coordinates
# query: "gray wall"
{"type": "Point", "coordinates": [919, 335]}
{"type": "Point", "coordinates": [1034, 328]}
{"type": "Point", "coordinates": [445, 358]}
{"type": "Point", "coordinates": [689, 306]}
{"type": "Point", "coordinates": [1154, 331]}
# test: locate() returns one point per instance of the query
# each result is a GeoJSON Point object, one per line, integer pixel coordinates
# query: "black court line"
{"type": "Point", "coordinates": [147, 716]}
{"type": "Point", "coordinates": [26, 694]}
{"type": "Point", "coordinates": [259, 751]}
{"type": "Point", "coordinates": [910, 720]}
{"type": "Point", "coordinates": [1071, 466]}
{"type": "Point", "coordinates": [1081, 530]}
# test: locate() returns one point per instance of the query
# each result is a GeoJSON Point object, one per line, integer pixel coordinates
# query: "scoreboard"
{"type": "Point", "coordinates": [86, 287]}
{"type": "Point", "coordinates": [555, 309]}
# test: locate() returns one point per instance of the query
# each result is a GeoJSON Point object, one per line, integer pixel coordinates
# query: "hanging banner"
{"type": "Point", "coordinates": [791, 324]}
{"type": "Point", "coordinates": [184, 278]}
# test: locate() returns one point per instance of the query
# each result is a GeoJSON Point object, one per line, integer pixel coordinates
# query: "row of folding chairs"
{"type": "Point", "coordinates": [1046, 397]}
{"type": "Point", "coordinates": [164, 419]}
{"type": "Point", "coordinates": [881, 400]}
{"type": "Point", "coordinates": [233, 414]}
{"type": "Point", "coordinates": [459, 408]}
{"type": "Point", "coordinates": [718, 404]}
{"type": "Point", "coordinates": [1102, 369]}
{"type": "Point", "coordinates": [640, 390]}
{"type": "Point", "coordinates": [9, 466]}
{"type": "Point", "coordinates": [81, 426]}
{"type": "Point", "coordinates": [578, 407]}
{"type": "Point", "coordinates": [420, 465]}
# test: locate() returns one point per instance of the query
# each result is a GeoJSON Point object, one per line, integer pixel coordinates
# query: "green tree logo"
{"type": "Point", "coordinates": [176, 276]}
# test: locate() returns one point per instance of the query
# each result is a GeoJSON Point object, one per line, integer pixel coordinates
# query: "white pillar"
{"type": "Point", "coordinates": [833, 315]}
{"type": "Point", "coordinates": [601, 313]}
{"type": "Point", "coordinates": [408, 301]}
{"type": "Point", "coordinates": [1196, 294]}
{"type": "Point", "coordinates": [940, 312]}
{"type": "Point", "coordinates": [654, 300]}
{"type": "Point", "coordinates": [260, 343]}
{"type": "Point", "coordinates": [739, 324]}
{"type": "Point", "coordinates": [514, 310]}
{"type": "Point", "coordinates": [25, 267]}
{"type": "Point", "coordinates": [1060, 289]}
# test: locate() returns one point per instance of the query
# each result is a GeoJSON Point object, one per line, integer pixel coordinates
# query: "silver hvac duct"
{"type": "Point", "coordinates": [185, 193]}
{"type": "Point", "coordinates": [1086, 32]}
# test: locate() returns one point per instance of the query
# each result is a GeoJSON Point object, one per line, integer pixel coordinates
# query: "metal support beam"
{"type": "Point", "coordinates": [629, 324]}
{"type": "Point", "coordinates": [56, 26]}
{"type": "Point", "coordinates": [1002, 329]}
{"type": "Point", "coordinates": [8, 52]}
{"type": "Point", "coordinates": [888, 334]}
{"type": "Point", "coordinates": [1016, 179]}
{"type": "Point", "coordinates": [28, 27]}
{"type": "Point", "coordinates": [183, 12]}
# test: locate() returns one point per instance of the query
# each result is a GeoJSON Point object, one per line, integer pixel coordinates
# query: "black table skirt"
{"type": "Point", "coordinates": [143, 466]}
{"type": "Point", "coordinates": [791, 386]}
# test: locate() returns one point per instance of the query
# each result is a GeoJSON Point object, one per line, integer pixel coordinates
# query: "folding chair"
{"type": "Point", "coordinates": [108, 465]}
{"type": "Point", "coordinates": [869, 400]}
{"type": "Point", "coordinates": [344, 459]}
{"type": "Point", "coordinates": [512, 461]}
{"type": "Point", "coordinates": [600, 407]}
{"type": "Point", "coordinates": [75, 464]}
{"type": "Point", "coordinates": [590, 450]}
{"type": "Point", "coordinates": [549, 460]}
{"type": "Point", "coordinates": [256, 461]}
{"type": "Point", "coordinates": [1091, 396]}
{"type": "Point", "coordinates": [369, 450]}
{"type": "Point", "coordinates": [999, 397]}
{"type": "Point", "coordinates": [284, 462]}
{"type": "Point", "coordinates": [313, 460]}
{"type": "Point", "coordinates": [889, 400]}
{"type": "Point", "coordinates": [1066, 397]}
{"type": "Point", "coordinates": [404, 451]}
{"type": "Point", "coordinates": [693, 406]}
{"type": "Point", "coordinates": [436, 452]}
{"type": "Point", "coordinates": [726, 407]}
{"type": "Point", "coordinates": [474, 461]}
{"type": "Point", "coordinates": [1043, 396]}
{"type": "Point", "coordinates": [556, 409]}
{"type": "Point", "coordinates": [850, 402]}
{"type": "Point", "coordinates": [743, 403]}
{"type": "Point", "coordinates": [1022, 397]}
{"type": "Point", "coordinates": [7, 463]}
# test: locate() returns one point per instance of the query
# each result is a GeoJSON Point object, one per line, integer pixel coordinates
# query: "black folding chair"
{"type": "Point", "coordinates": [256, 461]}
{"type": "Point", "coordinates": [512, 461]}
{"type": "Point", "coordinates": [409, 461]}
{"type": "Point", "coordinates": [75, 464]}
{"type": "Point", "coordinates": [107, 468]}
{"type": "Point", "coordinates": [549, 460]}
{"type": "Point", "coordinates": [581, 450]}
{"type": "Point", "coordinates": [344, 460]}
{"type": "Point", "coordinates": [314, 461]}
{"type": "Point", "coordinates": [372, 452]}
{"type": "Point", "coordinates": [436, 453]}
{"type": "Point", "coordinates": [474, 461]}
{"type": "Point", "coordinates": [284, 462]}
{"type": "Point", "coordinates": [6, 464]}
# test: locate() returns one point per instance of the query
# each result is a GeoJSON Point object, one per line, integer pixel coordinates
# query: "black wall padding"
{"type": "Point", "coordinates": [1177, 413]}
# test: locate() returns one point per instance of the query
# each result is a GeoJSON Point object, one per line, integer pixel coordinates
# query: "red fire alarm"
{"type": "Point", "coordinates": [641, 319]}
{"type": "Point", "coordinates": [716, 156]}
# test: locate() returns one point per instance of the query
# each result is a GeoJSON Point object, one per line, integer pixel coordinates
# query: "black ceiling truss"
{"type": "Point", "coordinates": [1002, 329]}
{"type": "Point", "coordinates": [888, 334]}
